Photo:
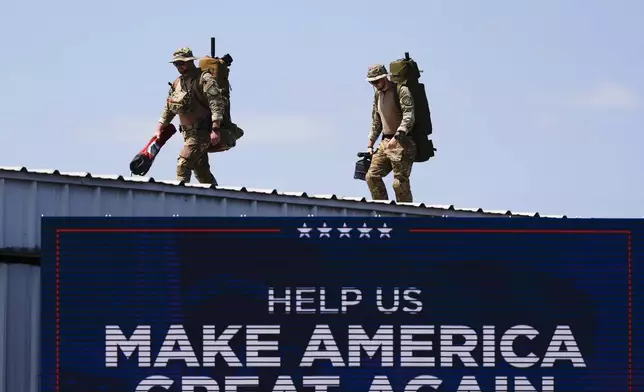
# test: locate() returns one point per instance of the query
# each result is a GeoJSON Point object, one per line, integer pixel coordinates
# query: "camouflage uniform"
{"type": "Point", "coordinates": [196, 98]}
{"type": "Point", "coordinates": [398, 158]}
{"type": "Point", "coordinates": [230, 131]}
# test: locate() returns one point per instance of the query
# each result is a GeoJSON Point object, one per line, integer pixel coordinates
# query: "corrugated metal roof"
{"type": "Point", "coordinates": [245, 192]}
{"type": "Point", "coordinates": [19, 327]}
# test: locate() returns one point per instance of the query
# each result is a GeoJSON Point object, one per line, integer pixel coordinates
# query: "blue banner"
{"type": "Point", "coordinates": [342, 304]}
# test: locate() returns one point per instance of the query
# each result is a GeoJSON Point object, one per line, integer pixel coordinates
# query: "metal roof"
{"type": "Point", "coordinates": [150, 184]}
{"type": "Point", "coordinates": [27, 195]}
{"type": "Point", "coordinates": [19, 327]}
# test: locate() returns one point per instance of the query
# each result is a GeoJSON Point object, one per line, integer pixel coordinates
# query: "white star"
{"type": "Point", "coordinates": [384, 231]}
{"type": "Point", "coordinates": [324, 231]}
{"type": "Point", "coordinates": [304, 231]}
{"type": "Point", "coordinates": [364, 231]}
{"type": "Point", "coordinates": [344, 231]}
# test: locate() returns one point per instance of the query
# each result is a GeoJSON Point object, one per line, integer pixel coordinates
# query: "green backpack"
{"type": "Point", "coordinates": [405, 72]}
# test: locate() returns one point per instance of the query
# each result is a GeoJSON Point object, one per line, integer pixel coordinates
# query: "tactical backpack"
{"type": "Point", "coordinates": [405, 72]}
{"type": "Point", "coordinates": [219, 68]}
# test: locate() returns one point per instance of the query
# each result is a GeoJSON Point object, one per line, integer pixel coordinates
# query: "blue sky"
{"type": "Point", "coordinates": [537, 106]}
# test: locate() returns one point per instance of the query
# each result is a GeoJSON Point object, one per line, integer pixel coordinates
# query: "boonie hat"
{"type": "Point", "coordinates": [376, 72]}
{"type": "Point", "coordinates": [183, 54]}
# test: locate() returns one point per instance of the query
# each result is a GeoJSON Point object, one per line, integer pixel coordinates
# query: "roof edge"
{"type": "Point", "coordinates": [149, 184]}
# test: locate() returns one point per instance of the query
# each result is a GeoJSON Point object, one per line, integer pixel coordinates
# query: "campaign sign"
{"type": "Point", "coordinates": [341, 304]}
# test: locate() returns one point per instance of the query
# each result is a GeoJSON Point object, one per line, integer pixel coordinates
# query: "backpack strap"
{"type": "Point", "coordinates": [397, 96]}
{"type": "Point", "coordinates": [375, 105]}
{"type": "Point", "coordinates": [173, 86]}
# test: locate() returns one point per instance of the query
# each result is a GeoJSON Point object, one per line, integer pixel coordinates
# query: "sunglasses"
{"type": "Point", "coordinates": [179, 63]}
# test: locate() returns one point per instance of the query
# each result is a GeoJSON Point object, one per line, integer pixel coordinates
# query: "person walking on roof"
{"type": "Point", "coordinates": [197, 99]}
{"type": "Point", "coordinates": [393, 118]}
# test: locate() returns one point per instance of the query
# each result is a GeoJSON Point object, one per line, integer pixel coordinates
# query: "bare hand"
{"type": "Point", "coordinates": [392, 142]}
{"type": "Point", "coordinates": [214, 137]}
{"type": "Point", "coordinates": [158, 131]}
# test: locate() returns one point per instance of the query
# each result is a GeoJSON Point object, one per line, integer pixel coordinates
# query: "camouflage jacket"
{"type": "Point", "coordinates": [405, 104]}
{"type": "Point", "coordinates": [194, 96]}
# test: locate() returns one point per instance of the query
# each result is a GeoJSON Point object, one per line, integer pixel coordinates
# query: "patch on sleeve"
{"type": "Point", "coordinates": [210, 85]}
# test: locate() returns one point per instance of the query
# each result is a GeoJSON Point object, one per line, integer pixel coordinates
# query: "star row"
{"type": "Point", "coordinates": [325, 231]}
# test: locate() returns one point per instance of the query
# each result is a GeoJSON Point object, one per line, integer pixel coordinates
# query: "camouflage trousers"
{"type": "Point", "coordinates": [194, 156]}
{"type": "Point", "coordinates": [196, 146]}
{"type": "Point", "coordinates": [399, 159]}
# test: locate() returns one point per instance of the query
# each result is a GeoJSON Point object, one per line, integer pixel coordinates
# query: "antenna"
{"type": "Point", "coordinates": [212, 47]}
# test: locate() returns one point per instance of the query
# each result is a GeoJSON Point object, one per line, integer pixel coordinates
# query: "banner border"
{"type": "Point", "coordinates": [629, 234]}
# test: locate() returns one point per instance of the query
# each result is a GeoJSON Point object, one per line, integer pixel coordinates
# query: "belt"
{"type": "Point", "coordinates": [198, 125]}
{"type": "Point", "coordinates": [384, 137]}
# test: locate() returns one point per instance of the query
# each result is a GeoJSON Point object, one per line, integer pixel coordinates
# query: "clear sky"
{"type": "Point", "coordinates": [537, 106]}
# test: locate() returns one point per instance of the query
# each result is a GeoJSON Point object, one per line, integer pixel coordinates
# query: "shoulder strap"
{"type": "Point", "coordinates": [397, 96]}
{"type": "Point", "coordinates": [376, 97]}
{"type": "Point", "coordinates": [173, 85]}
